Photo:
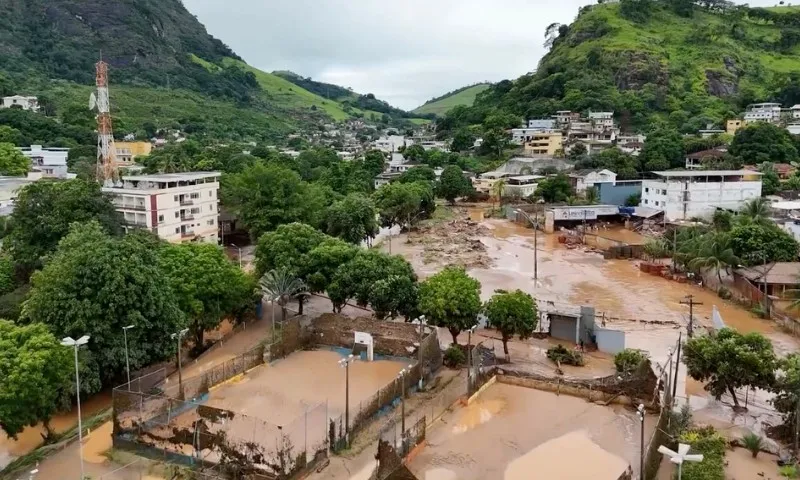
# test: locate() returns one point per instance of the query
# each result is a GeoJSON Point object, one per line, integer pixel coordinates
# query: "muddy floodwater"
{"type": "Point", "coordinates": [507, 422]}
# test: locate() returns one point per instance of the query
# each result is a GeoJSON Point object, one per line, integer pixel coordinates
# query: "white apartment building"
{"type": "Point", "coordinates": [763, 112]}
{"type": "Point", "coordinates": [543, 124]}
{"type": "Point", "coordinates": [178, 207]}
{"type": "Point", "coordinates": [18, 101]}
{"type": "Point", "coordinates": [604, 119]}
{"type": "Point", "coordinates": [51, 162]}
{"type": "Point", "coordinates": [684, 195]}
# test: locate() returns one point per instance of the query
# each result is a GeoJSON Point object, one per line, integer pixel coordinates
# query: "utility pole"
{"type": "Point", "coordinates": [690, 301]}
{"type": "Point", "coordinates": [345, 363]}
{"type": "Point", "coordinates": [677, 367]}
{"type": "Point", "coordinates": [796, 425]}
{"type": "Point", "coordinates": [177, 337]}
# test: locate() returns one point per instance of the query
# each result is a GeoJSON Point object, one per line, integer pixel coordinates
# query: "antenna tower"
{"type": "Point", "coordinates": [107, 171]}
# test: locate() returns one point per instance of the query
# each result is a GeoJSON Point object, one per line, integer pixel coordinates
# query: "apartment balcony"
{"type": "Point", "coordinates": [187, 217]}
{"type": "Point", "coordinates": [185, 202]}
{"type": "Point", "coordinates": [128, 206]}
{"type": "Point", "coordinates": [187, 234]}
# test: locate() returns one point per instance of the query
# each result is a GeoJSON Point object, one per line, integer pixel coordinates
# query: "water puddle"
{"type": "Point", "coordinates": [478, 413]}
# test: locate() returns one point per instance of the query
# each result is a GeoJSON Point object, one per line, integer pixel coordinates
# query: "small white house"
{"type": "Point", "coordinates": [18, 101]}
{"type": "Point", "coordinates": [521, 185]}
{"type": "Point", "coordinates": [604, 119]}
{"type": "Point", "coordinates": [763, 112]}
{"type": "Point", "coordinates": [583, 179]}
{"type": "Point", "coordinates": [795, 111]}
{"type": "Point", "coordinates": [686, 194]}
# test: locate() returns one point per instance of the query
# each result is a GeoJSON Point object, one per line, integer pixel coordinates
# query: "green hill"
{"type": "Point", "coordinates": [655, 61]}
{"type": "Point", "coordinates": [463, 96]}
{"type": "Point", "coordinates": [165, 71]}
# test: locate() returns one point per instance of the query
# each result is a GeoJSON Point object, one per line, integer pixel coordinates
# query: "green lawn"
{"type": "Point", "coordinates": [464, 97]}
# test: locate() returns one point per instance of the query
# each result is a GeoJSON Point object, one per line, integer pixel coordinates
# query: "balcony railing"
{"type": "Point", "coordinates": [187, 234]}
{"type": "Point", "coordinates": [185, 202]}
{"type": "Point", "coordinates": [186, 217]}
{"type": "Point", "coordinates": [128, 206]}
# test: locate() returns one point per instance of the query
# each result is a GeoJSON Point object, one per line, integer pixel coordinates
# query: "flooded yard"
{"type": "Point", "coordinates": [497, 435]}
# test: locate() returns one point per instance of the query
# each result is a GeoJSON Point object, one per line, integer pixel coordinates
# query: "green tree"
{"type": "Point", "coordinates": [633, 200]}
{"type": "Point", "coordinates": [286, 247]}
{"type": "Point", "coordinates": [281, 286]}
{"type": "Point", "coordinates": [663, 147]}
{"type": "Point", "coordinates": [414, 153]}
{"type": "Point", "coordinates": [398, 203]}
{"type": "Point", "coordinates": [463, 140]}
{"type": "Point", "coordinates": [729, 360]}
{"type": "Point", "coordinates": [322, 262]}
{"type": "Point", "coordinates": [577, 152]}
{"type": "Point", "coordinates": [591, 196]}
{"type": "Point", "coordinates": [787, 389]}
{"type": "Point", "coordinates": [206, 285]}
{"type": "Point", "coordinates": [451, 299]}
{"type": "Point", "coordinates": [453, 183]}
{"type": "Point", "coordinates": [394, 295]}
{"type": "Point", "coordinates": [756, 211]}
{"type": "Point", "coordinates": [264, 197]}
{"type": "Point", "coordinates": [755, 244]}
{"type": "Point", "coordinates": [44, 211]}
{"type": "Point", "coordinates": [629, 360]}
{"type": "Point", "coordinates": [353, 219]}
{"type": "Point", "coordinates": [511, 313]}
{"type": "Point", "coordinates": [770, 182]}
{"type": "Point", "coordinates": [722, 220]}
{"type": "Point", "coordinates": [10, 135]}
{"type": "Point", "coordinates": [554, 189]}
{"type": "Point", "coordinates": [420, 173]}
{"type": "Point", "coordinates": [355, 279]}
{"type": "Point", "coordinates": [95, 284]}
{"type": "Point", "coordinates": [715, 253]}
{"type": "Point", "coordinates": [762, 142]}
{"type": "Point", "coordinates": [35, 377]}
{"type": "Point", "coordinates": [7, 279]}
{"type": "Point", "coordinates": [374, 162]}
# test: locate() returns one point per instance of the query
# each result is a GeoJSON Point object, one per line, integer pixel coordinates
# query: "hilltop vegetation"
{"type": "Point", "coordinates": [656, 62]}
{"type": "Point", "coordinates": [462, 96]}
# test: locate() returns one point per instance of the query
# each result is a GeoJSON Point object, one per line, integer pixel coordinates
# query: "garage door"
{"type": "Point", "coordinates": [563, 328]}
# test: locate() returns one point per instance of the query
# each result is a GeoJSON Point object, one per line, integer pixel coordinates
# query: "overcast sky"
{"type": "Point", "coordinates": [405, 52]}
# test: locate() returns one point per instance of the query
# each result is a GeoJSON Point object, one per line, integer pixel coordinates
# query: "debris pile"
{"type": "Point", "coordinates": [454, 242]}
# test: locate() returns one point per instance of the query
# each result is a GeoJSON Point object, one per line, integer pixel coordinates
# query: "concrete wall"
{"type": "Point", "coordinates": [391, 338]}
{"type": "Point", "coordinates": [564, 327]}
{"type": "Point", "coordinates": [617, 193]}
{"type": "Point", "coordinates": [587, 324]}
{"type": "Point", "coordinates": [609, 341]}
{"type": "Point", "coordinates": [683, 200]}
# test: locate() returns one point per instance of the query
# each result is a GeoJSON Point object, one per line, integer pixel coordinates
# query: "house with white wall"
{"type": "Point", "coordinates": [521, 185]}
{"type": "Point", "coordinates": [583, 179]}
{"type": "Point", "coordinates": [21, 102]}
{"type": "Point", "coordinates": [604, 119]}
{"type": "Point", "coordinates": [51, 162]}
{"type": "Point", "coordinates": [763, 112]}
{"type": "Point", "coordinates": [687, 194]}
{"type": "Point", "coordinates": [178, 207]}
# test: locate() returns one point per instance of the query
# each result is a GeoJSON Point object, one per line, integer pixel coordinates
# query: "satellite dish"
{"type": "Point", "coordinates": [92, 101]}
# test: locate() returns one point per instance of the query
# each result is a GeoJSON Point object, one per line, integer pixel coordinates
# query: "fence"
{"type": "Point", "coordinates": [482, 361]}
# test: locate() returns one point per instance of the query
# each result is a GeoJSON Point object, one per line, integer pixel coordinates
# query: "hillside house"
{"type": "Point", "coordinates": [51, 162]}
{"type": "Point", "coordinates": [521, 185]}
{"type": "Point", "coordinates": [547, 143]}
{"type": "Point", "coordinates": [777, 277]}
{"type": "Point", "coordinates": [21, 102]}
{"type": "Point", "coordinates": [696, 160]}
{"type": "Point", "coordinates": [763, 112]}
{"type": "Point", "coordinates": [731, 126]}
{"type": "Point", "coordinates": [583, 179]}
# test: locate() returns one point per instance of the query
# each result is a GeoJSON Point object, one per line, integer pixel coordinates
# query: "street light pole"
{"type": "Point", "coordinates": [345, 363]}
{"type": "Point", "coordinates": [127, 360]}
{"type": "Point", "coordinates": [239, 254]}
{"type": "Point", "coordinates": [402, 376]}
{"type": "Point", "coordinates": [535, 226]}
{"type": "Point", "coordinates": [640, 412]}
{"type": "Point", "coordinates": [70, 342]}
{"type": "Point", "coordinates": [177, 337]}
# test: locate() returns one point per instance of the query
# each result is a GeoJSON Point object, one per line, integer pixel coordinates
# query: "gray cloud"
{"type": "Point", "coordinates": [404, 52]}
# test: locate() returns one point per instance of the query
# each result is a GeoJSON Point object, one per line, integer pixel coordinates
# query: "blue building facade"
{"type": "Point", "coordinates": [617, 193]}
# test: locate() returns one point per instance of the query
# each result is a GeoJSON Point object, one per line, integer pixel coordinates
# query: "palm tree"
{"type": "Point", "coordinates": [592, 196]}
{"type": "Point", "coordinates": [498, 188]}
{"type": "Point", "coordinates": [756, 211]}
{"type": "Point", "coordinates": [715, 253]}
{"type": "Point", "coordinates": [281, 286]}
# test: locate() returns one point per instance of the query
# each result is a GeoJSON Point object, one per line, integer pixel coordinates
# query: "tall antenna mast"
{"type": "Point", "coordinates": [107, 171]}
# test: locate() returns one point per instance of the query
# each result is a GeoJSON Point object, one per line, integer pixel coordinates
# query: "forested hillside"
{"type": "Point", "coordinates": [461, 96]}
{"type": "Point", "coordinates": [651, 61]}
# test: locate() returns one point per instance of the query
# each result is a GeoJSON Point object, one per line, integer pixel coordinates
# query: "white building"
{"type": "Point", "coordinates": [178, 207]}
{"type": "Point", "coordinates": [795, 110]}
{"type": "Point", "coordinates": [51, 162]}
{"type": "Point", "coordinates": [18, 101]}
{"type": "Point", "coordinates": [391, 143]}
{"type": "Point", "coordinates": [605, 119]}
{"type": "Point", "coordinates": [684, 195]}
{"type": "Point", "coordinates": [542, 124]}
{"type": "Point", "coordinates": [9, 188]}
{"type": "Point", "coordinates": [521, 185]}
{"type": "Point", "coordinates": [763, 112]}
{"type": "Point", "coordinates": [583, 179]}
{"type": "Point", "coordinates": [385, 178]}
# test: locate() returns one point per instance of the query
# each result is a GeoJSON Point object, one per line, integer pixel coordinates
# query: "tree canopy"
{"type": "Point", "coordinates": [12, 161]}
{"type": "Point", "coordinates": [44, 211]}
{"type": "Point", "coordinates": [286, 247]}
{"type": "Point", "coordinates": [353, 219]}
{"type": "Point", "coordinates": [356, 278]}
{"type": "Point", "coordinates": [554, 189]}
{"type": "Point", "coordinates": [206, 285]}
{"type": "Point", "coordinates": [402, 203]}
{"type": "Point", "coordinates": [451, 299]}
{"type": "Point", "coordinates": [729, 360]}
{"type": "Point", "coordinates": [35, 376]}
{"type": "Point", "coordinates": [453, 184]}
{"type": "Point", "coordinates": [755, 244]}
{"type": "Point", "coordinates": [761, 142]}
{"type": "Point", "coordinates": [94, 285]}
{"type": "Point", "coordinates": [511, 313]}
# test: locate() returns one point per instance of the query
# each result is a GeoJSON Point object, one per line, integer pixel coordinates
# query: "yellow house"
{"type": "Point", "coordinates": [731, 126]}
{"type": "Point", "coordinates": [545, 143]}
{"type": "Point", "coordinates": [128, 151]}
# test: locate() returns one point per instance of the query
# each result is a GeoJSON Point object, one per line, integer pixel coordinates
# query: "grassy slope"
{"type": "Point", "coordinates": [441, 106]}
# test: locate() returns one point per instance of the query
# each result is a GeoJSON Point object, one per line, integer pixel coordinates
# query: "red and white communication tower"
{"type": "Point", "coordinates": [107, 171]}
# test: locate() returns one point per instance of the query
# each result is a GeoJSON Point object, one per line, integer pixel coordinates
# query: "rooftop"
{"type": "Point", "coordinates": [713, 153]}
{"type": "Point", "coordinates": [783, 273]}
{"type": "Point", "coordinates": [170, 177]}
{"type": "Point", "coordinates": [707, 173]}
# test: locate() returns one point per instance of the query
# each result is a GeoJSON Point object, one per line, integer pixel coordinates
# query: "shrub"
{"type": "Point", "coordinates": [454, 357]}
{"type": "Point", "coordinates": [628, 360]}
{"type": "Point", "coordinates": [724, 293]}
{"type": "Point", "coordinates": [563, 356]}
{"type": "Point", "coordinates": [789, 471]}
{"type": "Point", "coordinates": [711, 444]}
{"type": "Point", "coordinates": [752, 442]}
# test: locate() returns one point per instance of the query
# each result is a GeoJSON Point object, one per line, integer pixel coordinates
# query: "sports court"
{"type": "Point", "coordinates": [511, 432]}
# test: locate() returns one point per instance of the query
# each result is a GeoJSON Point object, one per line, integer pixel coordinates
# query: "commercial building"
{"type": "Point", "coordinates": [51, 162]}
{"type": "Point", "coordinates": [128, 151]}
{"type": "Point", "coordinates": [548, 144]}
{"type": "Point", "coordinates": [178, 207]}
{"type": "Point", "coordinates": [23, 103]}
{"type": "Point", "coordinates": [688, 194]}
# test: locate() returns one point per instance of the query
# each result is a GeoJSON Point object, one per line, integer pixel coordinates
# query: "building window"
{"type": "Point", "coordinates": [210, 193]}
{"type": "Point", "coordinates": [176, 198]}
{"type": "Point", "coordinates": [177, 230]}
{"type": "Point", "coordinates": [646, 190]}
{"type": "Point", "coordinates": [194, 195]}
{"type": "Point", "coordinates": [177, 214]}
{"type": "Point", "coordinates": [161, 218]}
{"type": "Point", "coordinates": [211, 207]}
{"type": "Point", "coordinates": [211, 222]}
{"type": "Point", "coordinates": [645, 201]}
